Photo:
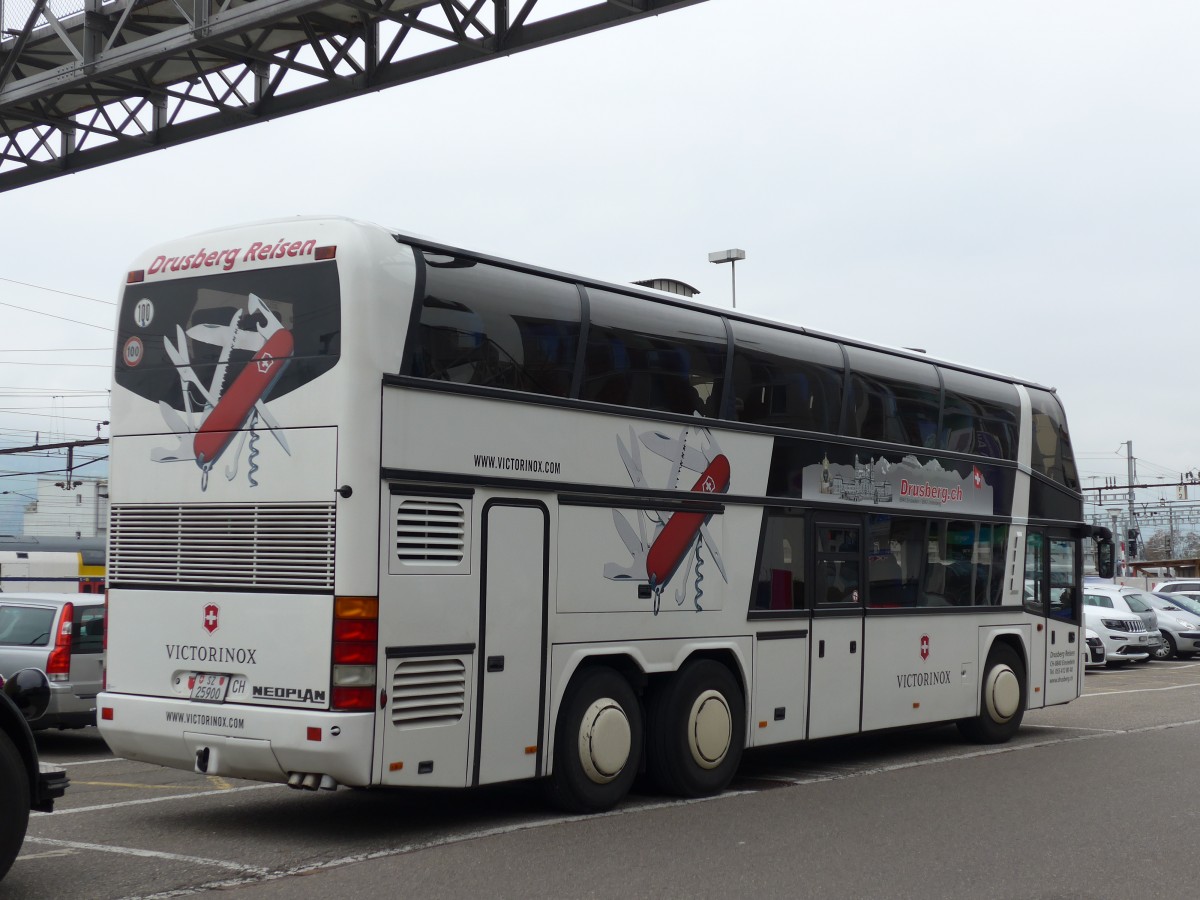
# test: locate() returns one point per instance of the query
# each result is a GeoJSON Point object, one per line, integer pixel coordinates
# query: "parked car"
{"type": "Point", "coordinates": [1123, 632]}
{"type": "Point", "coordinates": [1188, 586]}
{"type": "Point", "coordinates": [1129, 600]}
{"type": "Point", "coordinates": [25, 784]}
{"type": "Point", "coordinates": [1180, 629]}
{"type": "Point", "coordinates": [63, 635]}
{"type": "Point", "coordinates": [1093, 649]}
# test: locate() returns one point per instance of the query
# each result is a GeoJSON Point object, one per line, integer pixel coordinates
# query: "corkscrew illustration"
{"type": "Point", "coordinates": [679, 536]}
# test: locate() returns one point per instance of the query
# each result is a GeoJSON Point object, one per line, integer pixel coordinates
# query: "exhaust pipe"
{"type": "Point", "coordinates": [294, 779]}
{"type": "Point", "coordinates": [327, 783]}
{"type": "Point", "coordinates": [310, 782]}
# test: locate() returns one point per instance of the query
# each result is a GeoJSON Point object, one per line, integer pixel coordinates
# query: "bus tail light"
{"type": "Point", "coordinates": [355, 652]}
{"type": "Point", "coordinates": [58, 666]}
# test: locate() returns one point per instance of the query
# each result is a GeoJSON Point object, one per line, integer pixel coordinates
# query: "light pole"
{"type": "Point", "coordinates": [731, 257]}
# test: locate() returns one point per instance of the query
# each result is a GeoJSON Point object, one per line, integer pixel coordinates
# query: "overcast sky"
{"type": "Point", "coordinates": [1012, 185]}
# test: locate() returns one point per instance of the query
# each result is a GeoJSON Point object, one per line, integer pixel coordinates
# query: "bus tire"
{"type": "Point", "coordinates": [14, 802]}
{"type": "Point", "coordinates": [696, 730]}
{"type": "Point", "coordinates": [597, 745]}
{"type": "Point", "coordinates": [1001, 701]}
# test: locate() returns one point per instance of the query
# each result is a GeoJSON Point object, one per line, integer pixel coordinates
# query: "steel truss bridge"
{"type": "Point", "coordinates": [87, 82]}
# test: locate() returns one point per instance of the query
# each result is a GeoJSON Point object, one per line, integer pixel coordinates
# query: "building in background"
{"type": "Point", "coordinates": [78, 510]}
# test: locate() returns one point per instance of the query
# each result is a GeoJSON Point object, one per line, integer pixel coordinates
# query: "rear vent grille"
{"type": "Point", "coordinates": [430, 532]}
{"type": "Point", "coordinates": [286, 547]}
{"type": "Point", "coordinates": [428, 692]}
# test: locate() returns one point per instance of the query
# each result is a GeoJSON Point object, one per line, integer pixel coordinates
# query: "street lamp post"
{"type": "Point", "coordinates": [731, 257]}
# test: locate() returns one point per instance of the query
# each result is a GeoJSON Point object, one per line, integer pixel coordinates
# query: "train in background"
{"type": "Point", "coordinates": [50, 564]}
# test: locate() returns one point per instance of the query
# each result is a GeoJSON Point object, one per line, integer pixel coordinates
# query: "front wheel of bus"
{"type": "Point", "coordinates": [597, 742]}
{"type": "Point", "coordinates": [697, 727]}
{"type": "Point", "coordinates": [1002, 699]}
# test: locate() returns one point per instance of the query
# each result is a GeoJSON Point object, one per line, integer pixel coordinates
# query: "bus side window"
{"type": "Point", "coordinates": [786, 380]}
{"type": "Point", "coordinates": [652, 356]}
{"type": "Point", "coordinates": [781, 569]}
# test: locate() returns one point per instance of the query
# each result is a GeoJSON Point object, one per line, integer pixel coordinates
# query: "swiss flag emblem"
{"type": "Point", "coordinates": [211, 615]}
{"type": "Point", "coordinates": [924, 646]}
{"type": "Point", "coordinates": [977, 476]}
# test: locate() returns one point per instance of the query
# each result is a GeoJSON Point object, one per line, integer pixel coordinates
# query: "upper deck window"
{"type": "Point", "coordinates": [184, 341]}
{"type": "Point", "coordinates": [893, 398]}
{"type": "Point", "coordinates": [653, 355]}
{"type": "Point", "coordinates": [494, 327]}
{"type": "Point", "coordinates": [1052, 455]}
{"type": "Point", "coordinates": [786, 379]}
{"type": "Point", "coordinates": [980, 415]}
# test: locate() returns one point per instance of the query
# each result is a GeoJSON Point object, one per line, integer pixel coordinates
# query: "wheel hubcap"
{"type": "Point", "coordinates": [710, 729]}
{"type": "Point", "coordinates": [605, 740]}
{"type": "Point", "coordinates": [1003, 693]}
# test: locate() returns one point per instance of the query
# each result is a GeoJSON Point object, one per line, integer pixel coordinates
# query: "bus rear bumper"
{"type": "Point", "coordinates": [238, 741]}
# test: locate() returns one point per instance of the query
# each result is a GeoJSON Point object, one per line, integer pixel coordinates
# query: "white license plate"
{"type": "Point", "coordinates": [212, 687]}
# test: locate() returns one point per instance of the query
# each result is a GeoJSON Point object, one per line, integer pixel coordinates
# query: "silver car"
{"type": "Point", "coordinates": [63, 636]}
{"type": "Point", "coordinates": [1179, 622]}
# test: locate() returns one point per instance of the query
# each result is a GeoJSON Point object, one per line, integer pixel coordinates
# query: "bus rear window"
{"type": "Point", "coordinates": [183, 341]}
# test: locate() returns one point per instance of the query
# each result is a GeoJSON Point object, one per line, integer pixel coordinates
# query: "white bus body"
{"type": "Point", "coordinates": [360, 536]}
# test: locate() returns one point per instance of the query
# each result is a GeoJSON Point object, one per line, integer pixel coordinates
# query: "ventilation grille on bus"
{"type": "Point", "coordinates": [428, 692]}
{"type": "Point", "coordinates": [430, 532]}
{"type": "Point", "coordinates": [281, 547]}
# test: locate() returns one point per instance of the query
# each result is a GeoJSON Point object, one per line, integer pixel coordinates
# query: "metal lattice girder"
{"type": "Point", "coordinates": [86, 82]}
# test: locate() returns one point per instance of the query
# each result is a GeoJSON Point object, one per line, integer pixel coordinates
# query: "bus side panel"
{"type": "Point", "coordinates": [428, 636]}
{"type": "Point", "coordinates": [780, 707]}
{"type": "Point", "coordinates": [919, 669]}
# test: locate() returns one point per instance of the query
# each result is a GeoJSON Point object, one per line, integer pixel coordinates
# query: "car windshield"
{"type": "Point", "coordinates": [1185, 603]}
{"type": "Point", "coordinates": [1137, 602]}
{"type": "Point", "coordinates": [25, 626]}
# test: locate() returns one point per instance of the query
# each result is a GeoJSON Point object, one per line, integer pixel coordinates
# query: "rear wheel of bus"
{"type": "Point", "coordinates": [14, 802]}
{"type": "Point", "coordinates": [1002, 699]}
{"type": "Point", "coordinates": [597, 742]}
{"type": "Point", "coordinates": [696, 725]}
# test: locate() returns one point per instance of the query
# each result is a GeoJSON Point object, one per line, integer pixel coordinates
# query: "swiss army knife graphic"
{"type": "Point", "coordinates": [679, 538]}
{"type": "Point", "coordinates": [230, 411]}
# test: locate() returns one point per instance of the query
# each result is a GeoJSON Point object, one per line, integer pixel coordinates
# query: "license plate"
{"type": "Point", "coordinates": [211, 687]}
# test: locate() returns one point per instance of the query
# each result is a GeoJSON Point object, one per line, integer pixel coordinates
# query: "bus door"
{"type": "Point", "coordinates": [836, 599]}
{"type": "Point", "coordinates": [512, 675]}
{"type": "Point", "coordinates": [1052, 579]}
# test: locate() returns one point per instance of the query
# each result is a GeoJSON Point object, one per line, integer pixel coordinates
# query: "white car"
{"type": "Point", "coordinates": [1114, 598]}
{"type": "Point", "coordinates": [1094, 653]}
{"type": "Point", "coordinates": [1189, 587]}
{"type": "Point", "coordinates": [1123, 634]}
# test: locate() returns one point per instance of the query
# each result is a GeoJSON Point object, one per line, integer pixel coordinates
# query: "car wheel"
{"type": "Point", "coordinates": [597, 744]}
{"type": "Point", "coordinates": [1002, 699]}
{"type": "Point", "coordinates": [14, 802]}
{"type": "Point", "coordinates": [697, 729]}
{"type": "Point", "coordinates": [1167, 650]}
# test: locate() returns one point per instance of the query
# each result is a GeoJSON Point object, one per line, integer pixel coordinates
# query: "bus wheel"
{"type": "Point", "coordinates": [14, 802]}
{"type": "Point", "coordinates": [697, 728]}
{"type": "Point", "coordinates": [597, 742]}
{"type": "Point", "coordinates": [1002, 700]}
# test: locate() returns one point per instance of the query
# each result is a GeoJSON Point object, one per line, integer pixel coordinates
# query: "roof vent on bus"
{"type": "Point", "coordinates": [430, 532]}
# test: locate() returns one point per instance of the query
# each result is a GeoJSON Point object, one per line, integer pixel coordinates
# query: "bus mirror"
{"type": "Point", "coordinates": [1105, 558]}
{"type": "Point", "coordinates": [29, 690]}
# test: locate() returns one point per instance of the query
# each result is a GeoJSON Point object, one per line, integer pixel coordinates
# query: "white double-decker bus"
{"type": "Point", "coordinates": [390, 513]}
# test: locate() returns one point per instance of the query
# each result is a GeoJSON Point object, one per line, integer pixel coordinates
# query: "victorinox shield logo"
{"type": "Point", "coordinates": [212, 613]}
{"type": "Point", "coordinates": [924, 647]}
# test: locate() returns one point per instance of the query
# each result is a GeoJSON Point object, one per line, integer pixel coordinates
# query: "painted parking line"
{"type": "Point", "coordinates": [149, 854]}
{"type": "Point", "coordinates": [122, 803]}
